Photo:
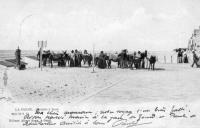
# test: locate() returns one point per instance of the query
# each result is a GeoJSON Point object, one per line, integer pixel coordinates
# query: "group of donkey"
{"type": "Point", "coordinates": [123, 59]}
{"type": "Point", "coordinates": [63, 59]}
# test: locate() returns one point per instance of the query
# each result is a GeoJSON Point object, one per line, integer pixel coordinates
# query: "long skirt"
{"type": "Point", "coordinates": [102, 63]}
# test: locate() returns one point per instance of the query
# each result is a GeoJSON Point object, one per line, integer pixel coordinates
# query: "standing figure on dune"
{"type": "Point", "coordinates": [18, 57]}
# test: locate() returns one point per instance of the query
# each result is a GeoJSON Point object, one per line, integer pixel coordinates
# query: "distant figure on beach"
{"type": "Point", "coordinates": [123, 59]}
{"type": "Point", "coordinates": [72, 59]}
{"type": "Point", "coordinates": [195, 59]}
{"type": "Point", "coordinates": [180, 56]}
{"type": "Point", "coordinates": [152, 61]}
{"type": "Point", "coordinates": [78, 58]}
{"type": "Point", "coordinates": [38, 57]}
{"type": "Point", "coordinates": [143, 58]}
{"type": "Point", "coordinates": [185, 57]}
{"type": "Point", "coordinates": [102, 60]}
{"type": "Point", "coordinates": [139, 56]}
{"type": "Point", "coordinates": [51, 59]}
{"type": "Point", "coordinates": [18, 57]}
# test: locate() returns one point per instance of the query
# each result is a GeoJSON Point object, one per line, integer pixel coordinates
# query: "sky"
{"type": "Point", "coordinates": [159, 25]}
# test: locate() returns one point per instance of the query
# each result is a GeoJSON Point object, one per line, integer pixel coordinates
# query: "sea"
{"type": "Point", "coordinates": [10, 54]}
{"type": "Point", "coordinates": [162, 56]}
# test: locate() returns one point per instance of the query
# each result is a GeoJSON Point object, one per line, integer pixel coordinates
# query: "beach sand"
{"type": "Point", "coordinates": [169, 82]}
{"type": "Point", "coordinates": [80, 89]}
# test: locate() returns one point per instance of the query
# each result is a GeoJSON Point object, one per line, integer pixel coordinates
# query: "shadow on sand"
{"type": "Point", "coordinates": [159, 69]}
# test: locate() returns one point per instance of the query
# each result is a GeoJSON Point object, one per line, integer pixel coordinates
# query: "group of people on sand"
{"type": "Point", "coordinates": [137, 60]}
{"type": "Point", "coordinates": [75, 58]}
{"type": "Point", "coordinates": [140, 60]}
{"type": "Point", "coordinates": [182, 56]}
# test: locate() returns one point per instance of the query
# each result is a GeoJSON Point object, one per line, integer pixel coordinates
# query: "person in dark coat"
{"type": "Point", "coordinates": [102, 61]}
{"type": "Point", "coordinates": [72, 59]}
{"type": "Point", "coordinates": [123, 59]}
{"type": "Point", "coordinates": [180, 56]}
{"type": "Point", "coordinates": [38, 57]}
{"type": "Point", "coordinates": [195, 59]}
{"type": "Point", "coordinates": [139, 56]}
{"type": "Point", "coordinates": [51, 59]}
{"type": "Point", "coordinates": [185, 57]}
{"type": "Point", "coordinates": [18, 57]}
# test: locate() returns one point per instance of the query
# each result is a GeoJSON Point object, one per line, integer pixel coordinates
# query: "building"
{"type": "Point", "coordinates": [194, 41]}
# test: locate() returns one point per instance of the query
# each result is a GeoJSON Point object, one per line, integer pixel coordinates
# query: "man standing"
{"type": "Point", "coordinates": [72, 58]}
{"type": "Point", "coordinates": [179, 56]}
{"type": "Point", "coordinates": [195, 59]}
{"type": "Point", "coordinates": [18, 57]}
{"type": "Point", "coordinates": [38, 56]}
{"type": "Point", "coordinates": [102, 62]}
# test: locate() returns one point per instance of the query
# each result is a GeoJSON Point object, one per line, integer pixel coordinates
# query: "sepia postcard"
{"type": "Point", "coordinates": [99, 64]}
